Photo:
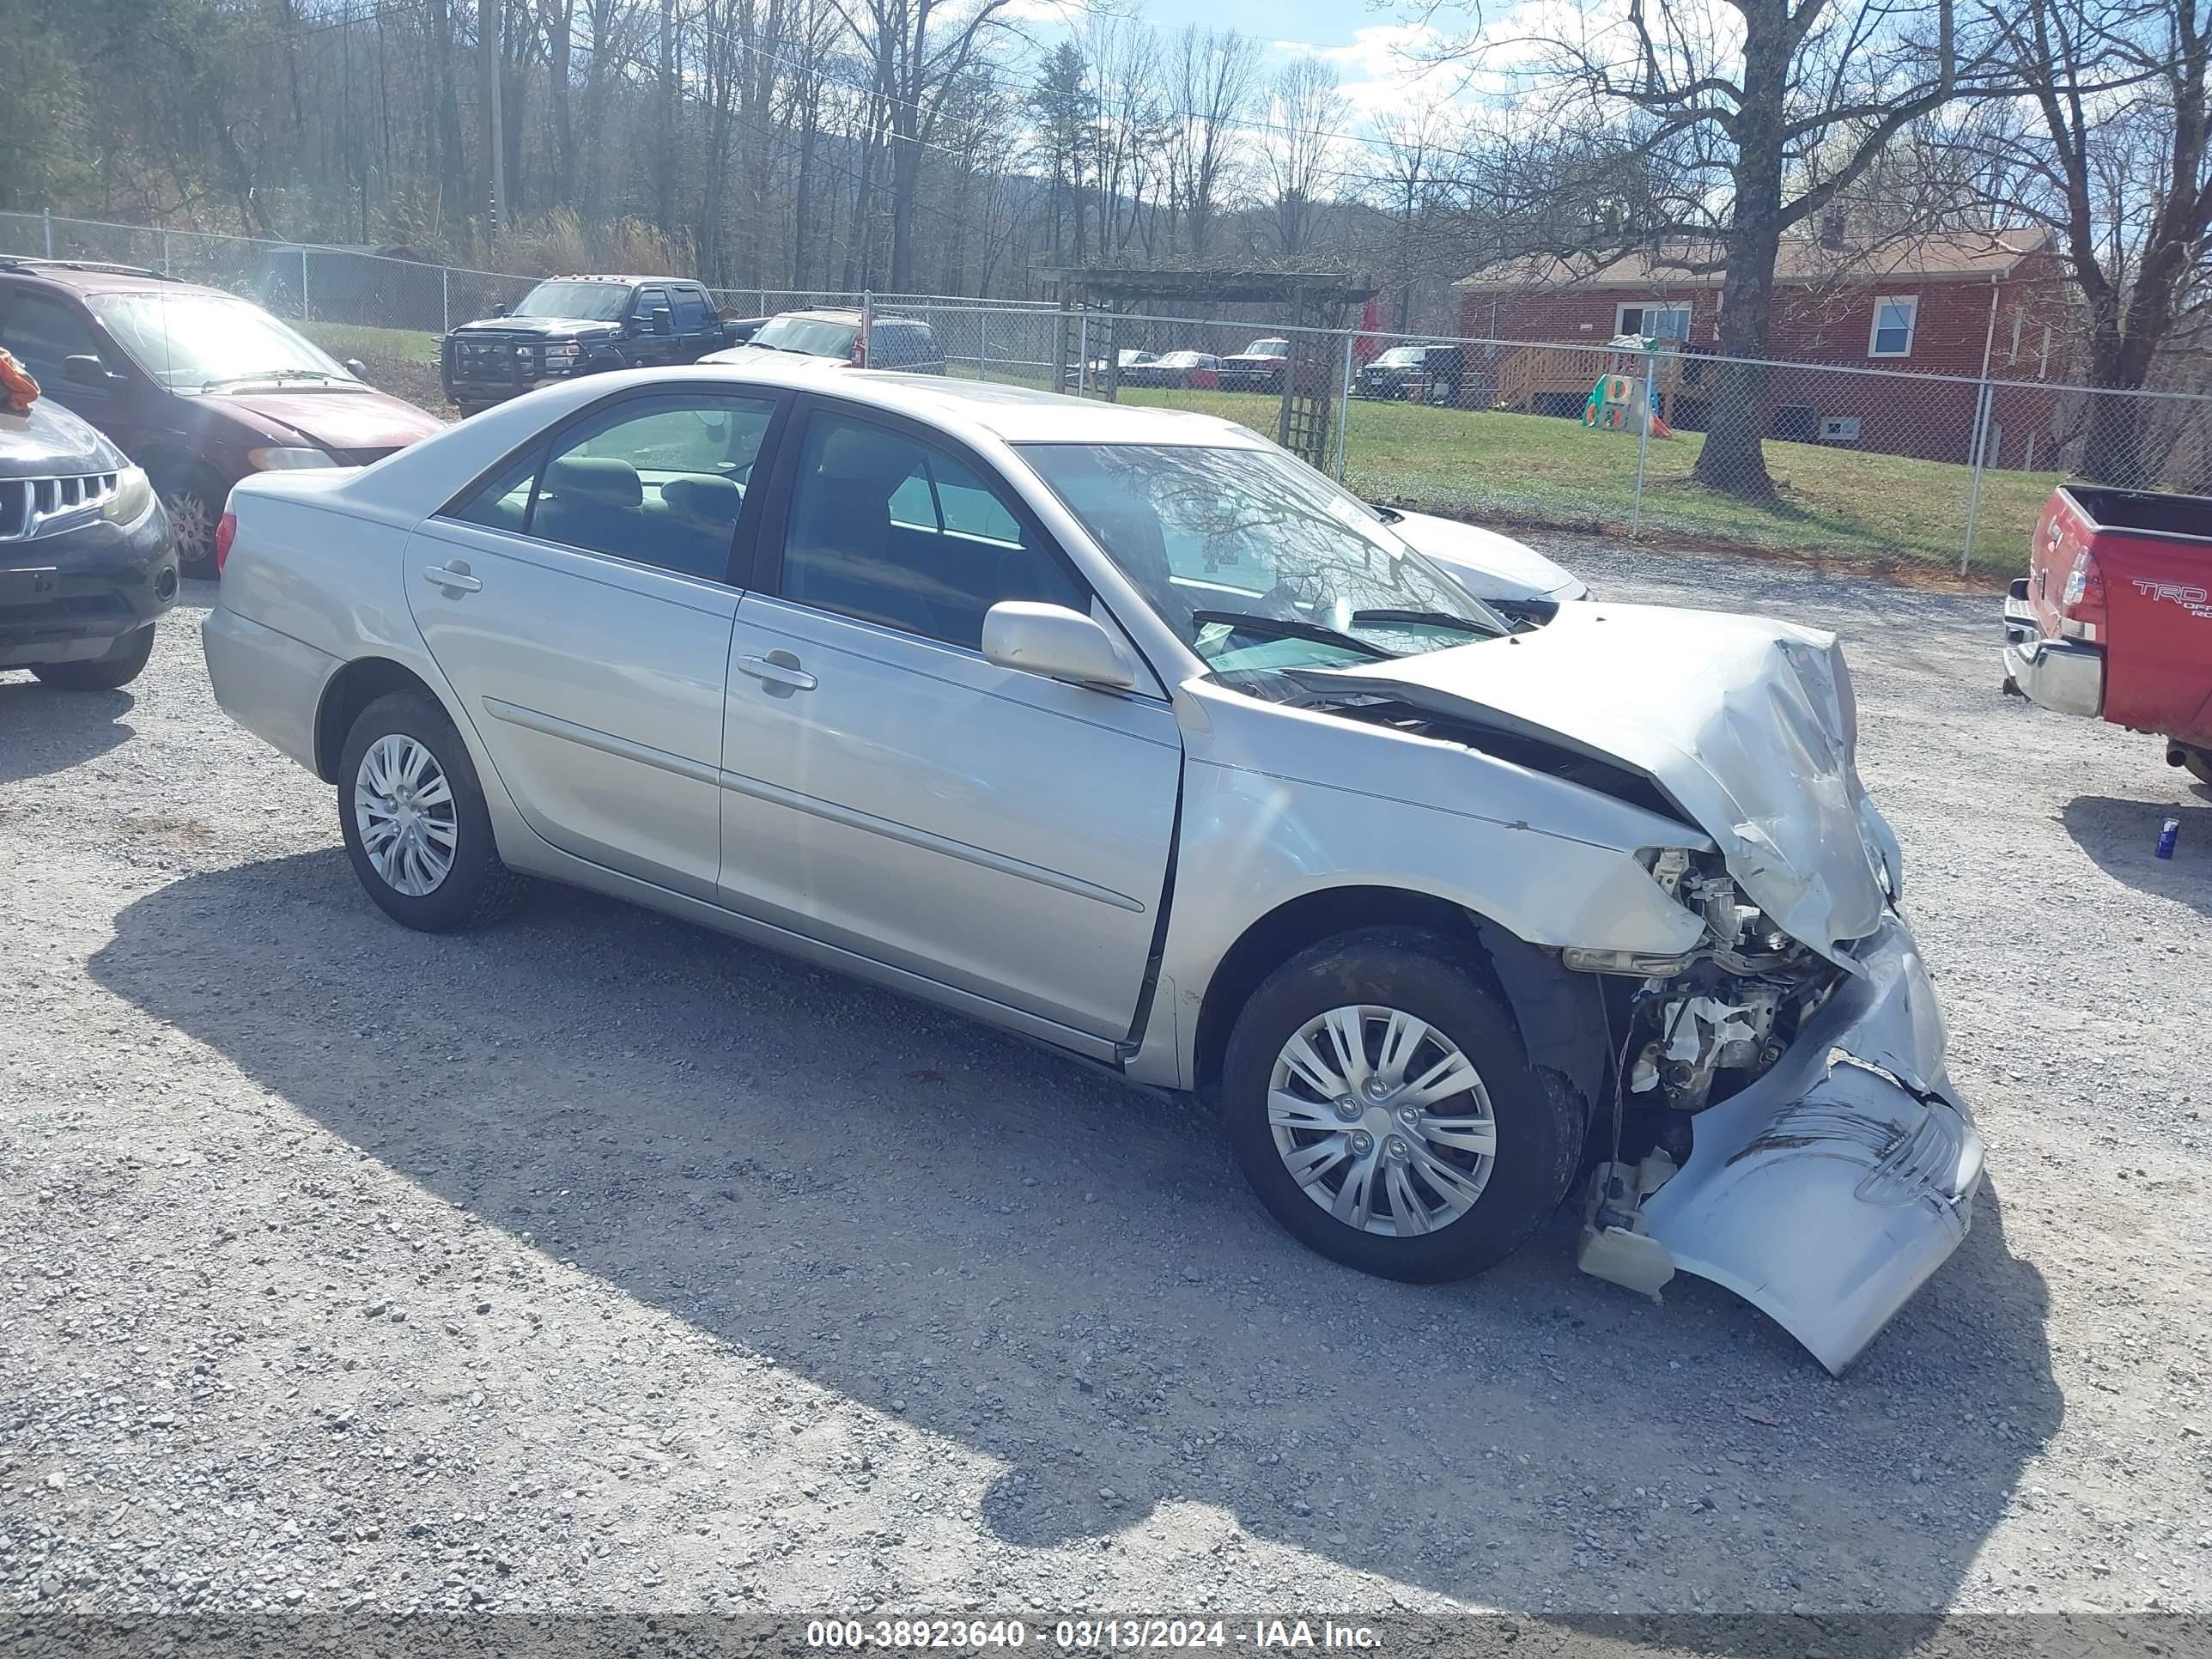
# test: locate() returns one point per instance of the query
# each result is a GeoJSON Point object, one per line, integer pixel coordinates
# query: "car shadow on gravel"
{"type": "Point", "coordinates": [1002, 1247]}
{"type": "Point", "coordinates": [43, 729]}
{"type": "Point", "coordinates": [2121, 838]}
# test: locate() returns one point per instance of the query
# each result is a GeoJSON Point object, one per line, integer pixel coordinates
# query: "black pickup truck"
{"type": "Point", "coordinates": [570, 325]}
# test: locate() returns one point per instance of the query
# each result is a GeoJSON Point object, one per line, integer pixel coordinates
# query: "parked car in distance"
{"type": "Point", "coordinates": [1259, 367]}
{"type": "Point", "coordinates": [571, 326]}
{"type": "Point", "coordinates": [905, 344]}
{"type": "Point", "coordinates": [1508, 576]}
{"type": "Point", "coordinates": [1188, 371]}
{"type": "Point", "coordinates": [1418, 374]}
{"type": "Point", "coordinates": [1122, 728]}
{"type": "Point", "coordinates": [742, 329]}
{"type": "Point", "coordinates": [2113, 620]}
{"type": "Point", "coordinates": [87, 560]}
{"type": "Point", "coordinates": [196, 386]}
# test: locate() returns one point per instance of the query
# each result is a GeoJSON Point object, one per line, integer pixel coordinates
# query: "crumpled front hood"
{"type": "Point", "coordinates": [1745, 724]}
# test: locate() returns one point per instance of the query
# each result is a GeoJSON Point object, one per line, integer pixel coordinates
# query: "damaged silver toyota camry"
{"type": "Point", "coordinates": [1125, 730]}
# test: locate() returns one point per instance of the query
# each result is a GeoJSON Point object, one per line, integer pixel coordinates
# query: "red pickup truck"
{"type": "Point", "coordinates": [2114, 617]}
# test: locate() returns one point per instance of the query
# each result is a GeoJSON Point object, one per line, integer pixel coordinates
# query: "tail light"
{"type": "Point", "coordinates": [2082, 606]}
{"type": "Point", "coordinates": [226, 531]}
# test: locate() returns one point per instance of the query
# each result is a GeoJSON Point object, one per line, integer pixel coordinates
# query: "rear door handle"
{"type": "Point", "coordinates": [453, 581]}
{"type": "Point", "coordinates": [778, 668]}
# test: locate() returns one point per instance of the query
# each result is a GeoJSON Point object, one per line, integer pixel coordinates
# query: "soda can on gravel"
{"type": "Point", "coordinates": [2168, 832]}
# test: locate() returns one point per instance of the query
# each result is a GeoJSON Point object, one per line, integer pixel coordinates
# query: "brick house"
{"type": "Point", "coordinates": [1928, 306]}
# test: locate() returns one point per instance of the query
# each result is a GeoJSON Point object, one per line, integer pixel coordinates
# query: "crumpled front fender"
{"type": "Point", "coordinates": [1826, 1192]}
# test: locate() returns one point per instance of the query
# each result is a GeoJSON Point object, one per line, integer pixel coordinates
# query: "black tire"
{"type": "Point", "coordinates": [478, 888]}
{"type": "Point", "coordinates": [125, 661]}
{"type": "Point", "coordinates": [1539, 1124]}
{"type": "Point", "coordinates": [194, 498]}
{"type": "Point", "coordinates": [2198, 761]}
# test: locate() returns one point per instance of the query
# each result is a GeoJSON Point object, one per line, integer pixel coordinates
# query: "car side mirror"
{"type": "Point", "coordinates": [1058, 643]}
{"type": "Point", "coordinates": [89, 370]}
{"type": "Point", "coordinates": [354, 366]}
{"type": "Point", "coordinates": [499, 308]}
{"type": "Point", "coordinates": [664, 320]}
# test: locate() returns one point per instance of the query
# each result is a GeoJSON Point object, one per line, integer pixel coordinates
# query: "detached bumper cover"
{"type": "Point", "coordinates": [1827, 1192]}
{"type": "Point", "coordinates": [2065, 675]}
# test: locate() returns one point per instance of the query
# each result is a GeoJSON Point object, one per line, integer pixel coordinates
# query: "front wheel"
{"type": "Point", "coordinates": [1381, 1103]}
{"type": "Point", "coordinates": [414, 821]}
{"type": "Point", "coordinates": [123, 662]}
{"type": "Point", "coordinates": [193, 498]}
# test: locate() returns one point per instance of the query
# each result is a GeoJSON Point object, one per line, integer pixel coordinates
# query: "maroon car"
{"type": "Point", "coordinates": [197, 386]}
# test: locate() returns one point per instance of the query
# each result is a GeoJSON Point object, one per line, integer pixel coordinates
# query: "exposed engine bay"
{"type": "Point", "coordinates": [1731, 1008]}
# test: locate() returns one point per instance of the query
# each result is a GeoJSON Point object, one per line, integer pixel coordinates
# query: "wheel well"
{"type": "Point", "coordinates": [353, 687]}
{"type": "Point", "coordinates": [1284, 931]}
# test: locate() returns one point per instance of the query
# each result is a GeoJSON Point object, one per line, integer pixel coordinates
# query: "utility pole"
{"type": "Point", "coordinates": [495, 139]}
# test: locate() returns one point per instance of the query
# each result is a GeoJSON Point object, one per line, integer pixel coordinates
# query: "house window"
{"type": "Point", "coordinates": [1653, 322]}
{"type": "Point", "coordinates": [1893, 318]}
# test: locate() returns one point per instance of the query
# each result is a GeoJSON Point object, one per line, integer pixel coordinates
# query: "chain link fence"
{"type": "Point", "coordinates": [1881, 465]}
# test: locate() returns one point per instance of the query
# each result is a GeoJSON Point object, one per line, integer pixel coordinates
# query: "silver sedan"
{"type": "Point", "coordinates": [1122, 729]}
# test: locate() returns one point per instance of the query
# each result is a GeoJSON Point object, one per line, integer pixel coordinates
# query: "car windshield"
{"type": "Point", "coordinates": [1268, 348]}
{"type": "Point", "coordinates": [1401, 357]}
{"type": "Point", "coordinates": [1259, 562]}
{"type": "Point", "coordinates": [817, 337]}
{"type": "Point", "coordinates": [198, 340]}
{"type": "Point", "coordinates": [1184, 360]}
{"type": "Point", "coordinates": [594, 302]}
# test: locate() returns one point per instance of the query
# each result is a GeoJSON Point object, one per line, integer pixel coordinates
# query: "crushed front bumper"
{"type": "Point", "coordinates": [2065, 675]}
{"type": "Point", "coordinates": [1826, 1192]}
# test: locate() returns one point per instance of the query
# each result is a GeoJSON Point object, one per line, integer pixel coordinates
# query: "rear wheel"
{"type": "Point", "coordinates": [2198, 761]}
{"type": "Point", "coordinates": [414, 821]}
{"type": "Point", "coordinates": [1380, 1101]}
{"type": "Point", "coordinates": [125, 660]}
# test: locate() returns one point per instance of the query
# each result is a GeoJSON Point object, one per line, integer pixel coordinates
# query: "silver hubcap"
{"type": "Point", "coordinates": [1383, 1121]}
{"type": "Point", "coordinates": [189, 520]}
{"type": "Point", "coordinates": [404, 808]}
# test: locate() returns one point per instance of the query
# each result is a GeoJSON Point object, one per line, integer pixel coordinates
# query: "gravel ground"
{"type": "Point", "coordinates": [595, 1261]}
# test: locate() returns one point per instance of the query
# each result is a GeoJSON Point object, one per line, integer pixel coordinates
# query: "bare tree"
{"type": "Point", "coordinates": [2109, 146]}
{"type": "Point", "coordinates": [920, 50]}
{"type": "Point", "coordinates": [1215, 77]}
{"type": "Point", "coordinates": [1760, 113]}
{"type": "Point", "coordinates": [1306, 118]}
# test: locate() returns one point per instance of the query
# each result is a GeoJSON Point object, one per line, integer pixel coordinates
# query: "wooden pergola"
{"type": "Point", "coordinates": [1307, 304]}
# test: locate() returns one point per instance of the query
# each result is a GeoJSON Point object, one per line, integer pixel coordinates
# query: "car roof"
{"type": "Point", "coordinates": [1014, 414]}
{"type": "Point", "coordinates": [94, 276]}
{"type": "Point", "coordinates": [615, 281]}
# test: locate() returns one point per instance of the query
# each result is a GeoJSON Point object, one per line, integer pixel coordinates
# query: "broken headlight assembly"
{"type": "Point", "coordinates": [1705, 1023]}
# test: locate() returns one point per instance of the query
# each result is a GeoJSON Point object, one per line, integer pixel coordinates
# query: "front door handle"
{"type": "Point", "coordinates": [778, 668]}
{"type": "Point", "coordinates": [452, 580]}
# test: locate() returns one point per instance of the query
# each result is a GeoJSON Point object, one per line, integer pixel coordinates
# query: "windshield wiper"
{"type": "Point", "coordinates": [275, 374]}
{"type": "Point", "coordinates": [1429, 619]}
{"type": "Point", "coordinates": [1388, 515]}
{"type": "Point", "coordinates": [1284, 628]}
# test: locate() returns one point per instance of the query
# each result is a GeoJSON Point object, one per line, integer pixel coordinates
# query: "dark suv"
{"type": "Point", "coordinates": [571, 326]}
{"type": "Point", "coordinates": [1420, 374]}
{"type": "Point", "coordinates": [86, 560]}
{"type": "Point", "coordinates": [906, 343]}
{"type": "Point", "coordinates": [197, 386]}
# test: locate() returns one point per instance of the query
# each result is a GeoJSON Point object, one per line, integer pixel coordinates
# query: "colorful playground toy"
{"type": "Point", "coordinates": [1621, 399]}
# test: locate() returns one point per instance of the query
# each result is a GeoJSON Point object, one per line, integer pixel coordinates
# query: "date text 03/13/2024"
{"type": "Point", "coordinates": [1086, 1635]}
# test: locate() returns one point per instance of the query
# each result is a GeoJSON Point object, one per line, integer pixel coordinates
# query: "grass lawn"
{"type": "Point", "coordinates": [1880, 509]}
{"type": "Point", "coordinates": [402, 361]}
